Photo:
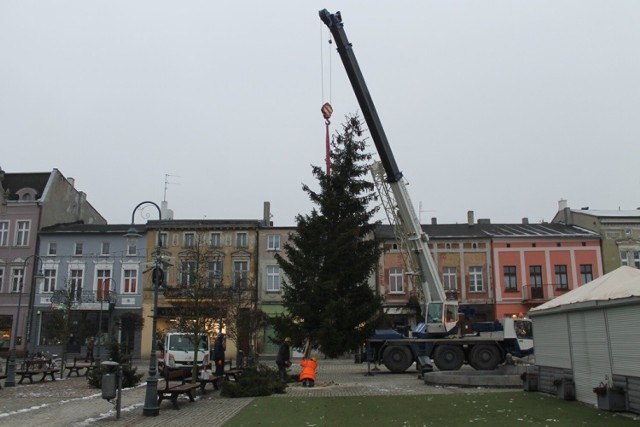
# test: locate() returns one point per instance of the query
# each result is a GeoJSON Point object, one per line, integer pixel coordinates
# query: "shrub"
{"type": "Point", "coordinates": [256, 381]}
{"type": "Point", "coordinates": [130, 376]}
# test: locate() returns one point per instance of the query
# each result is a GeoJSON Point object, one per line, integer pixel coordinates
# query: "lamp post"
{"type": "Point", "coordinates": [151, 407]}
{"type": "Point", "coordinates": [102, 295]}
{"type": "Point", "coordinates": [11, 367]}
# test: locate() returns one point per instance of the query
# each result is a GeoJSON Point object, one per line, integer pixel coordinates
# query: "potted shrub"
{"type": "Point", "coordinates": [610, 398]}
{"type": "Point", "coordinates": [565, 388]}
{"type": "Point", "coordinates": [529, 381]}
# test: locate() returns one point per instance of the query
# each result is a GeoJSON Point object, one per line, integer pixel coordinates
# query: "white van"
{"type": "Point", "coordinates": [178, 350]}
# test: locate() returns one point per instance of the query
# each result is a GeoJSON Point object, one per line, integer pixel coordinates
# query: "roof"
{"type": "Point", "coordinates": [608, 213]}
{"type": "Point", "coordinates": [17, 181]}
{"type": "Point", "coordinates": [80, 227]}
{"type": "Point", "coordinates": [623, 282]}
{"type": "Point", "coordinates": [493, 231]}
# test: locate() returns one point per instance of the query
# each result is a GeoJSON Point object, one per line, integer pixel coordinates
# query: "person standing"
{"type": "Point", "coordinates": [283, 359]}
{"type": "Point", "coordinates": [219, 348]}
{"type": "Point", "coordinates": [90, 345]}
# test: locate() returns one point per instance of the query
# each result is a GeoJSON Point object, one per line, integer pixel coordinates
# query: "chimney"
{"type": "Point", "coordinates": [165, 211]}
{"type": "Point", "coordinates": [525, 220]}
{"type": "Point", "coordinates": [266, 214]}
{"type": "Point", "coordinates": [562, 203]}
{"type": "Point", "coordinates": [470, 217]}
{"type": "Point", "coordinates": [434, 220]}
{"type": "Point", "coordinates": [72, 181]}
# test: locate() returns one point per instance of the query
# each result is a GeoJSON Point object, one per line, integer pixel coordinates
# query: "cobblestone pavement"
{"type": "Point", "coordinates": [71, 402]}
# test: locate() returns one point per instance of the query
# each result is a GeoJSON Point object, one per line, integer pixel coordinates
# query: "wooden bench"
{"type": "Point", "coordinates": [172, 390]}
{"type": "Point", "coordinates": [79, 364]}
{"type": "Point", "coordinates": [212, 379]}
{"type": "Point", "coordinates": [37, 367]}
{"type": "Point", "coordinates": [232, 374]}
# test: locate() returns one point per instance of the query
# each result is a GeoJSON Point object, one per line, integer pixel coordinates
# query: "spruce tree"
{"type": "Point", "coordinates": [330, 258]}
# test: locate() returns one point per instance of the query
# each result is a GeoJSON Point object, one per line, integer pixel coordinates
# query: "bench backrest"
{"type": "Point", "coordinates": [176, 374]}
{"type": "Point", "coordinates": [37, 364]}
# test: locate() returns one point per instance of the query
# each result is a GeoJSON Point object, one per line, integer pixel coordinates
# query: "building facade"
{"type": "Point", "coordinates": [29, 202]}
{"type": "Point", "coordinates": [493, 270]}
{"type": "Point", "coordinates": [618, 229]}
{"type": "Point", "coordinates": [92, 271]}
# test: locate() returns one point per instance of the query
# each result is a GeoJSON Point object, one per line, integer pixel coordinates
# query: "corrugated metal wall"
{"type": "Point", "coordinates": [551, 341]}
{"type": "Point", "coordinates": [590, 352]}
{"type": "Point", "coordinates": [624, 335]}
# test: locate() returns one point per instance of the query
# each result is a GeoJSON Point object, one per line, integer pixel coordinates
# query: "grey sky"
{"type": "Point", "coordinates": [500, 107]}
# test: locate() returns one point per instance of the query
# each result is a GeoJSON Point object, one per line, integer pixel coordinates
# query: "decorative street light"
{"type": "Point", "coordinates": [11, 368]}
{"type": "Point", "coordinates": [109, 296]}
{"type": "Point", "coordinates": [151, 407]}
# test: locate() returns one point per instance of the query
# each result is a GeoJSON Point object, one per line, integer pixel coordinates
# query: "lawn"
{"type": "Point", "coordinates": [495, 409]}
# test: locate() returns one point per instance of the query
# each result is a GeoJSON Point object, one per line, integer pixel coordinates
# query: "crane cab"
{"type": "Point", "coordinates": [442, 318]}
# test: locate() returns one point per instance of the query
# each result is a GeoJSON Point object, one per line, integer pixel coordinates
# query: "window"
{"type": "Point", "coordinates": [215, 273]}
{"type": "Point", "coordinates": [215, 240]}
{"type": "Point", "coordinates": [187, 273]}
{"type": "Point", "coordinates": [450, 279]}
{"type": "Point", "coordinates": [164, 240]}
{"type": "Point", "coordinates": [240, 272]}
{"type": "Point", "coordinates": [75, 282]}
{"type": "Point", "coordinates": [273, 242]}
{"type": "Point", "coordinates": [396, 280]}
{"type": "Point", "coordinates": [104, 248]}
{"type": "Point", "coordinates": [4, 233]}
{"type": "Point", "coordinates": [273, 278]}
{"type": "Point", "coordinates": [16, 279]}
{"type": "Point", "coordinates": [623, 258]}
{"type": "Point", "coordinates": [636, 259]}
{"type": "Point", "coordinates": [535, 276]}
{"type": "Point", "coordinates": [52, 249]}
{"type": "Point", "coordinates": [241, 240]}
{"type": "Point", "coordinates": [562, 279]}
{"type": "Point", "coordinates": [132, 250]}
{"type": "Point", "coordinates": [475, 279]}
{"type": "Point", "coordinates": [510, 278]}
{"type": "Point", "coordinates": [586, 273]}
{"type": "Point", "coordinates": [22, 233]}
{"type": "Point", "coordinates": [49, 284]}
{"type": "Point", "coordinates": [130, 285]}
{"type": "Point", "coordinates": [104, 283]}
{"type": "Point", "coordinates": [77, 250]}
{"type": "Point", "coordinates": [189, 240]}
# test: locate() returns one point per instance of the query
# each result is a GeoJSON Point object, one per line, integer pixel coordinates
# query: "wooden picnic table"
{"type": "Point", "coordinates": [31, 367]}
{"type": "Point", "coordinates": [78, 365]}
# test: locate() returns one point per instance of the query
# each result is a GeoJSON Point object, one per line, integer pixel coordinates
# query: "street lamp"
{"type": "Point", "coordinates": [11, 368]}
{"type": "Point", "coordinates": [151, 407]}
{"type": "Point", "coordinates": [103, 295]}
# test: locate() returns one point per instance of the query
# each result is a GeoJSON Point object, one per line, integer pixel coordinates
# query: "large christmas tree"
{"type": "Point", "coordinates": [329, 260]}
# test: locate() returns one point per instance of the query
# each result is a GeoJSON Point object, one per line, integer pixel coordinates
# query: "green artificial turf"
{"type": "Point", "coordinates": [506, 409]}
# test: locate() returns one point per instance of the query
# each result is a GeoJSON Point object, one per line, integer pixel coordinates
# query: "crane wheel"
{"type": "Point", "coordinates": [397, 358]}
{"type": "Point", "coordinates": [484, 357]}
{"type": "Point", "coordinates": [448, 357]}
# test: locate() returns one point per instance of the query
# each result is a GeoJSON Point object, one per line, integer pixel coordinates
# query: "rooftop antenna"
{"type": "Point", "coordinates": [420, 210]}
{"type": "Point", "coordinates": [166, 184]}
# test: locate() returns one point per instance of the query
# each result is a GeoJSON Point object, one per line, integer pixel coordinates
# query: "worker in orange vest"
{"type": "Point", "coordinates": [308, 374]}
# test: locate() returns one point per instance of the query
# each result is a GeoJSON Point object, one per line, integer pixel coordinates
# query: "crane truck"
{"type": "Point", "coordinates": [439, 337]}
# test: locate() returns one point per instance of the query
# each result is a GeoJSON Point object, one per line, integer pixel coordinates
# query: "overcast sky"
{"type": "Point", "coordinates": [500, 107]}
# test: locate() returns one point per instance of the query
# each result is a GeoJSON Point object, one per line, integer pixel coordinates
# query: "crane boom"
{"type": "Point", "coordinates": [441, 314]}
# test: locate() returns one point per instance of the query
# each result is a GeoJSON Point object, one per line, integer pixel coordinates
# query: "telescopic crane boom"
{"type": "Point", "coordinates": [441, 313]}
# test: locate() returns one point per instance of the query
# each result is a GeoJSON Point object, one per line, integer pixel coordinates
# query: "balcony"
{"type": "Point", "coordinates": [83, 300]}
{"type": "Point", "coordinates": [537, 293]}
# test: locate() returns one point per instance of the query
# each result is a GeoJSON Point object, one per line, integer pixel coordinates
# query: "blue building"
{"type": "Point", "coordinates": [91, 270]}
